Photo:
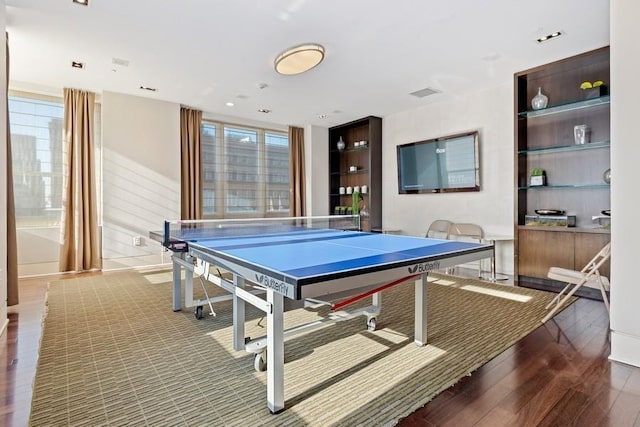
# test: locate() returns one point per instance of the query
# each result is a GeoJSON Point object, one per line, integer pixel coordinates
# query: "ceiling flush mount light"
{"type": "Point", "coordinates": [299, 59]}
{"type": "Point", "coordinates": [549, 37]}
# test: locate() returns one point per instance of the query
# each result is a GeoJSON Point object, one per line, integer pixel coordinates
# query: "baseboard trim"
{"type": "Point", "coordinates": [625, 348]}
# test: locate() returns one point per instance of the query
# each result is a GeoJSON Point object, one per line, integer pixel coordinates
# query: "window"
{"type": "Point", "coordinates": [245, 171]}
{"type": "Point", "coordinates": [36, 146]}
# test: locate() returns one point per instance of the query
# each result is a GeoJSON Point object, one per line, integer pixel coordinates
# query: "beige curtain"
{"type": "Point", "coordinates": [12, 243]}
{"type": "Point", "coordinates": [296, 171]}
{"type": "Point", "coordinates": [191, 177]}
{"type": "Point", "coordinates": [80, 243]}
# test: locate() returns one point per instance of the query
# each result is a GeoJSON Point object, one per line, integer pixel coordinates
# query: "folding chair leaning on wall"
{"type": "Point", "coordinates": [589, 276]}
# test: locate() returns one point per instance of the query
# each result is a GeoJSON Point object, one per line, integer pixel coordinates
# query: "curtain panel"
{"type": "Point", "coordinates": [80, 248]}
{"type": "Point", "coordinates": [11, 241]}
{"type": "Point", "coordinates": [190, 162]}
{"type": "Point", "coordinates": [296, 172]}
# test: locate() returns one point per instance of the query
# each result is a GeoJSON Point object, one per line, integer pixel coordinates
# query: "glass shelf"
{"type": "Point", "coordinates": [564, 187]}
{"type": "Point", "coordinates": [350, 149]}
{"type": "Point", "coordinates": [347, 195]}
{"type": "Point", "coordinates": [350, 173]}
{"type": "Point", "coordinates": [562, 108]}
{"type": "Point", "coordinates": [563, 148]}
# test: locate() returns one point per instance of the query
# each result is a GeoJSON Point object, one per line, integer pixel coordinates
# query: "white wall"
{"type": "Point", "coordinates": [141, 176]}
{"type": "Point", "coordinates": [3, 175]}
{"type": "Point", "coordinates": [490, 112]}
{"type": "Point", "coordinates": [317, 170]}
{"type": "Point", "coordinates": [625, 154]}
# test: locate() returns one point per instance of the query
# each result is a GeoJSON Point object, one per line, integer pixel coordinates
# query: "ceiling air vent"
{"type": "Point", "coordinates": [424, 92]}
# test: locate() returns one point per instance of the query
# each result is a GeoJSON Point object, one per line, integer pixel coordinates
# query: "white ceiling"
{"type": "Point", "coordinates": [205, 53]}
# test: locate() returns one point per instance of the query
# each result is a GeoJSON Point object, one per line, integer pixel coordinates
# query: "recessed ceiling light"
{"type": "Point", "coordinates": [82, 2]}
{"type": "Point", "coordinates": [549, 37]}
{"type": "Point", "coordinates": [322, 116]}
{"type": "Point", "coordinates": [150, 89]}
{"type": "Point", "coordinates": [120, 61]}
{"type": "Point", "coordinates": [264, 110]}
{"type": "Point", "coordinates": [77, 64]}
{"type": "Point", "coordinates": [229, 104]}
{"type": "Point", "coordinates": [299, 59]}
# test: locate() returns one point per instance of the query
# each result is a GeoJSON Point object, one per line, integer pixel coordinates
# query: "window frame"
{"type": "Point", "coordinates": [43, 222]}
{"type": "Point", "coordinates": [222, 182]}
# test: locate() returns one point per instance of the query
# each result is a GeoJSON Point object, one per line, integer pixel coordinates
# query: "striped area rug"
{"type": "Point", "coordinates": [114, 353]}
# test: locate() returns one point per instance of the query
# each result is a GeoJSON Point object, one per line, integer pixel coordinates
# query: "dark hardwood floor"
{"type": "Point", "coordinates": [559, 375]}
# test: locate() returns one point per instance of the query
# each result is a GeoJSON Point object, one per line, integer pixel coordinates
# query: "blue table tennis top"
{"type": "Point", "coordinates": [302, 257]}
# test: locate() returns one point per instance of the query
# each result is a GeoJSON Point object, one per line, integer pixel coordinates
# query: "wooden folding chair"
{"type": "Point", "coordinates": [589, 276]}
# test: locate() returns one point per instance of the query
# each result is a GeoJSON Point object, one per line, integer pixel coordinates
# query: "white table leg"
{"type": "Point", "coordinates": [420, 328]}
{"type": "Point", "coordinates": [493, 261]}
{"type": "Point", "coordinates": [177, 283]}
{"type": "Point", "coordinates": [275, 352]}
{"type": "Point", "coordinates": [238, 315]}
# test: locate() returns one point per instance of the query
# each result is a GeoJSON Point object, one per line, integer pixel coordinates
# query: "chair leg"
{"type": "Point", "coordinates": [563, 301]}
{"type": "Point", "coordinates": [556, 299]}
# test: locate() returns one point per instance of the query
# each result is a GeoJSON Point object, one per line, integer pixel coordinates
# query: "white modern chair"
{"type": "Point", "coordinates": [589, 276]}
{"type": "Point", "coordinates": [439, 229]}
{"type": "Point", "coordinates": [467, 232]}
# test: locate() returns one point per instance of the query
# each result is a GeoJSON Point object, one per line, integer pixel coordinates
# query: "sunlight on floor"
{"type": "Point", "coordinates": [482, 290]}
{"type": "Point", "coordinates": [160, 277]}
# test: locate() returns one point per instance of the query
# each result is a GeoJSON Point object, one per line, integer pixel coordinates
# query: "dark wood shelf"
{"type": "Point", "coordinates": [368, 160]}
{"type": "Point", "coordinates": [574, 172]}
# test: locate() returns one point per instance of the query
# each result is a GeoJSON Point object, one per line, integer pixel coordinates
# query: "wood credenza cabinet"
{"type": "Point", "coordinates": [538, 250]}
{"type": "Point", "coordinates": [576, 172]}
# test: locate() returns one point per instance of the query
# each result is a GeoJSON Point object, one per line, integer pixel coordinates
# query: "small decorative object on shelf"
{"type": "Point", "coordinates": [539, 101]}
{"type": "Point", "coordinates": [551, 220]}
{"type": "Point", "coordinates": [607, 176]}
{"type": "Point", "coordinates": [355, 202]}
{"type": "Point", "coordinates": [538, 177]}
{"type": "Point", "coordinates": [581, 134]}
{"type": "Point", "coordinates": [341, 144]}
{"type": "Point", "coordinates": [594, 90]}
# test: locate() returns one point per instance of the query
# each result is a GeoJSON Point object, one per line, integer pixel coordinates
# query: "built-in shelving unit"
{"type": "Point", "coordinates": [367, 159]}
{"type": "Point", "coordinates": [573, 172]}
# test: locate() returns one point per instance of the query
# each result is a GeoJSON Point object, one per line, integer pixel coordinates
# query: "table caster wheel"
{"type": "Point", "coordinates": [198, 312]}
{"type": "Point", "coordinates": [371, 324]}
{"type": "Point", "coordinates": [260, 362]}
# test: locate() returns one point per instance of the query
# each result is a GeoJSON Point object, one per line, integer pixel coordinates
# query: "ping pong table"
{"type": "Point", "coordinates": [277, 264]}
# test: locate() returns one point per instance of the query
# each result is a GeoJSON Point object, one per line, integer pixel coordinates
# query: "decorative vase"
{"type": "Point", "coordinates": [341, 144]}
{"type": "Point", "coordinates": [606, 176]}
{"type": "Point", "coordinates": [539, 101]}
